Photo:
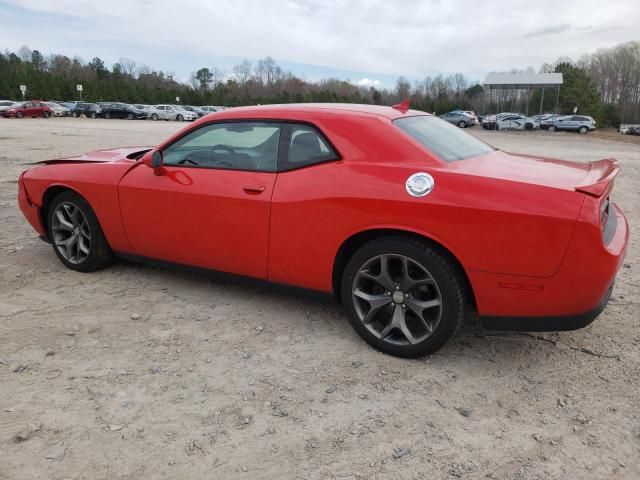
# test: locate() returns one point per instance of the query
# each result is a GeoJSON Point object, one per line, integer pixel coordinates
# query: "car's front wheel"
{"type": "Point", "coordinates": [403, 296]}
{"type": "Point", "coordinates": [154, 117]}
{"type": "Point", "coordinates": [179, 118]}
{"type": "Point", "coordinates": [76, 235]}
{"type": "Point", "coordinates": [583, 130]}
{"type": "Point", "coordinates": [19, 115]}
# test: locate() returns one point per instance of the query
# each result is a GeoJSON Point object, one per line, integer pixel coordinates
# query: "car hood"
{"type": "Point", "coordinates": [586, 177]}
{"type": "Point", "coordinates": [101, 156]}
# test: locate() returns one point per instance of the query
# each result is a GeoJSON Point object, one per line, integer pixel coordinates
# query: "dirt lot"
{"type": "Point", "coordinates": [136, 372]}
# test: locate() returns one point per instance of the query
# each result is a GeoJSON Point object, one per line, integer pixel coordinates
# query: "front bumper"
{"type": "Point", "coordinates": [30, 211]}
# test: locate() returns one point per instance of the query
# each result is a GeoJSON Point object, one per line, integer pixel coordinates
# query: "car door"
{"type": "Point", "coordinates": [211, 206]}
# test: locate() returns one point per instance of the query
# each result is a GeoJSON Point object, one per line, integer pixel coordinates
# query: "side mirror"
{"type": "Point", "coordinates": [153, 159]}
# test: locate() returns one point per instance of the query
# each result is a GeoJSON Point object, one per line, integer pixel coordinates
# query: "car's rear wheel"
{"type": "Point", "coordinates": [154, 117]}
{"type": "Point", "coordinates": [93, 115]}
{"type": "Point", "coordinates": [46, 114]}
{"type": "Point", "coordinates": [107, 115]}
{"type": "Point", "coordinates": [552, 128]}
{"type": "Point", "coordinates": [403, 296]}
{"type": "Point", "coordinates": [130, 116]}
{"type": "Point", "coordinates": [76, 235]}
{"type": "Point", "coordinates": [583, 130]}
{"type": "Point", "coordinates": [179, 118]}
{"type": "Point", "coordinates": [462, 124]}
{"type": "Point", "coordinates": [75, 114]}
{"type": "Point", "coordinates": [19, 114]}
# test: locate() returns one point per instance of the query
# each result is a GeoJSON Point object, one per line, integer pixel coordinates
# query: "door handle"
{"type": "Point", "coordinates": [253, 188]}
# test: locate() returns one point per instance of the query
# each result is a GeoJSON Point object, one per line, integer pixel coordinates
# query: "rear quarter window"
{"type": "Point", "coordinates": [444, 140]}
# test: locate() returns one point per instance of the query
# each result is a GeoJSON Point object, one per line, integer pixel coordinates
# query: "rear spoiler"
{"type": "Point", "coordinates": [599, 180]}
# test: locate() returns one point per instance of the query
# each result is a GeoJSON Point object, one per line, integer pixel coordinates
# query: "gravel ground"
{"type": "Point", "coordinates": [137, 372]}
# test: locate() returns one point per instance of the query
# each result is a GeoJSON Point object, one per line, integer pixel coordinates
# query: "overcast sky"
{"type": "Point", "coordinates": [371, 41]}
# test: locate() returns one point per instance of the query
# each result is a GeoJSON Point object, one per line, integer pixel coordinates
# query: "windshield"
{"type": "Point", "coordinates": [178, 107]}
{"type": "Point", "coordinates": [446, 141]}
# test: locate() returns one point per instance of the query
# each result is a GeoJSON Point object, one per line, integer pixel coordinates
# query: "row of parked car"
{"type": "Point", "coordinates": [39, 108]}
{"type": "Point", "coordinates": [519, 121]}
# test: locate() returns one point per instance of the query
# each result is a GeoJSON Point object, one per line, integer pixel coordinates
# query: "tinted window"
{"type": "Point", "coordinates": [302, 146]}
{"type": "Point", "coordinates": [449, 143]}
{"type": "Point", "coordinates": [233, 146]}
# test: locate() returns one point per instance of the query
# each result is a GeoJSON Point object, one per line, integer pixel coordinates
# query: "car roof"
{"type": "Point", "coordinates": [310, 108]}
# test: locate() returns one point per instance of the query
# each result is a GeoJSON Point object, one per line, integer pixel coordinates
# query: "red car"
{"type": "Point", "coordinates": [407, 219]}
{"type": "Point", "coordinates": [32, 108]}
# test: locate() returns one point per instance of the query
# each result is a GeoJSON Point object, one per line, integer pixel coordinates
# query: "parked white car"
{"type": "Point", "coordinates": [58, 110]}
{"type": "Point", "coordinates": [6, 105]}
{"type": "Point", "coordinates": [510, 121]}
{"type": "Point", "coordinates": [170, 112]}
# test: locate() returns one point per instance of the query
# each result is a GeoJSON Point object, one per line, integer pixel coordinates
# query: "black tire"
{"type": "Point", "coordinates": [75, 114]}
{"type": "Point", "coordinates": [443, 270]}
{"type": "Point", "coordinates": [46, 114]}
{"type": "Point", "coordinates": [100, 254]}
{"type": "Point", "coordinates": [107, 115]}
{"type": "Point", "coordinates": [93, 115]}
{"type": "Point", "coordinates": [154, 117]}
{"type": "Point", "coordinates": [19, 114]}
{"type": "Point", "coordinates": [130, 116]}
{"type": "Point", "coordinates": [462, 124]}
{"type": "Point", "coordinates": [179, 118]}
{"type": "Point", "coordinates": [528, 126]}
{"type": "Point", "coordinates": [583, 130]}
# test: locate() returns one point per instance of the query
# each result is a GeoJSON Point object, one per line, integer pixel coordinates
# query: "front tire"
{"type": "Point", "coordinates": [154, 117]}
{"type": "Point", "coordinates": [130, 116]}
{"type": "Point", "coordinates": [403, 296]}
{"type": "Point", "coordinates": [107, 115]}
{"type": "Point", "coordinates": [76, 235]}
{"type": "Point", "coordinates": [179, 118]}
{"type": "Point", "coordinates": [19, 114]}
{"type": "Point", "coordinates": [583, 130]}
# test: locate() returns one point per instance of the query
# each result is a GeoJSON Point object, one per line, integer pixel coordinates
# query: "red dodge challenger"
{"type": "Point", "coordinates": [408, 220]}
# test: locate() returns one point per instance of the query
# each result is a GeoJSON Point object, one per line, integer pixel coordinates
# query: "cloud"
{"type": "Point", "coordinates": [550, 30]}
{"type": "Point", "coordinates": [375, 39]}
{"type": "Point", "coordinates": [367, 82]}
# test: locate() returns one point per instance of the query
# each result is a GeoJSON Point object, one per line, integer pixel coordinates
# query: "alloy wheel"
{"type": "Point", "coordinates": [397, 299]}
{"type": "Point", "coordinates": [71, 233]}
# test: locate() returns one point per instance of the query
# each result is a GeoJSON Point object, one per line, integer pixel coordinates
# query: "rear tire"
{"type": "Point", "coordinates": [130, 116]}
{"type": "Point", "coordinates": [76, 235]}
{"type": "Point", "coordinates": [154, 117]}
{"type": "Point", "coordinates": [75, 114]}
{"type": "Point", "coordinates": [462, 124]}
{"type": "Point", "coordinates": [93, 115]}
{"type": "Point", "coordinates": [19, 114]}
{"type": "Point", "coordinates": [411, 310]}
{"type": "Point", "coordinates": [107, 115]}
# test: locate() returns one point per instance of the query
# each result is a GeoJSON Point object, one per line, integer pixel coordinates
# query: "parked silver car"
{"type": "Point", "coordinates": [170, 112]}
{"type": "Point", "coordinates": [6, 105]}
{"type": "Point", "coordinates": [574, 123]}
{"type": "Point", "coordinates": [58, 110]}
{"type": "Point", "coordinates": [460, 118]}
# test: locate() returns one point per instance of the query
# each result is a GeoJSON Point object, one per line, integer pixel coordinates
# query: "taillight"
{"type": "Point", "coordinates": [604, 213]}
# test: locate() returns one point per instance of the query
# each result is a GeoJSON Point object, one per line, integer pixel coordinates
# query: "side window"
{"type": "Point", "coordinates": [302, 146]}
{"type": "Point", "coordinates": [249, 146]}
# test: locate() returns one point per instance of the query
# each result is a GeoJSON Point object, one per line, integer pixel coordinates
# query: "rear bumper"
{"type": "Point", "coordinates": [547, 324]}
{"type": "Point", "coordinates": [572, 297]}
{"type": "Point", "coordinates": [30, 211]}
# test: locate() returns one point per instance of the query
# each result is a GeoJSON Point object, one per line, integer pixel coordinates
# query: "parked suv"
{"type": "Point", "coordinates": [87, 109]}
{"type": "Point", "coordinates": [120, 110]}
{"type": "Point", "coordinates": [574, 123]}
{"type": "Point", "coordinates": [460, 118]}
{"type": "Point", "coordinates": [33, 108]}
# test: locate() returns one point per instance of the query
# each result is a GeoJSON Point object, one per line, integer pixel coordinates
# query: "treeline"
{"type": "Point", "coordinates": [605, 85]}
